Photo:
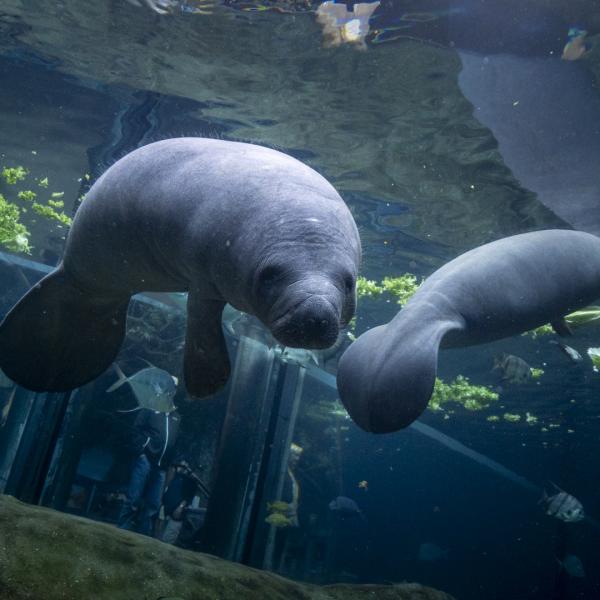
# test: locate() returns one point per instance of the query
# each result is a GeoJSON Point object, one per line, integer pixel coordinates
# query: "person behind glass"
{"type": "Point", "coordinates": [153, 440]}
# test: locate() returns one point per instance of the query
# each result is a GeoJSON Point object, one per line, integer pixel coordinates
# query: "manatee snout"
{"type": "Point", "coordinates": [313, 324]}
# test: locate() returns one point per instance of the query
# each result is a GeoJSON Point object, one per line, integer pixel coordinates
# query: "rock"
{"type": "Point", "coordinates": [50, 555]}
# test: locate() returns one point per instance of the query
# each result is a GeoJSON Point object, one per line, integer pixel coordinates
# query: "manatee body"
{"type": "Point", "coordinates": [386, 377]}
{"type": "Point", "coordinates": [227, 222]}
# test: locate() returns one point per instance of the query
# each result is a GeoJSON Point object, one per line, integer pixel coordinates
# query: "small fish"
{"type": "Point", "coordinates": [570, 352]}
{"type": "Point", "coordinates": [345, 507]}
{"type": "Point", "coordinates": [572, 565]}
{"type": "Point", "coordinates": [297, 356]}
{"type": "Point", "coordinates": [152, 387]}
{"type": "Point", "coordinates": [431, 552]}
{"type": "Point", "coordinates": [563, 506]}
{"type": "Point", "coordinates": [594, 354]}
{"type": "Point", "coordinates": [575, 47]}
{"type": "Point", "coordinates": [513, 368]}
{"type": "Point", "coordinates": [364, 485]}
{"type": "Point", "coordinates": [239, 324]}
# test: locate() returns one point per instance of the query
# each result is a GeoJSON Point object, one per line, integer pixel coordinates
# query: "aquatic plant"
{"type": "Point", "coordinates": [472, 397]}
{"type": "Point", "coordinates": [539, 331]}
{"type": "Point", "coordinates": [27, 195]}
{"type": "Point", "coordinates": [367, 287]}
{"type": "Point", "coordinates": [530, 419]}
{"type": "Point", "coordinates": [401, 287]}
{"type": "Point", "coordinates": [13, 234]}
{"type": "Point", "coordinates": [511, 418]}
{"type": "Point", "coordinates": [51, 213]}
{"type": "Point", "coordinates": [13, 174]}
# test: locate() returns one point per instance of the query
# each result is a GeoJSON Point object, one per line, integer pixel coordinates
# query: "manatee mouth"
{"type": "Point", "coordinates": [313, 323]}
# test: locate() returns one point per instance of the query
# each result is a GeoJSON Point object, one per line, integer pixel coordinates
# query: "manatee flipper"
{"type": "Point", "coordinates": [561, 327]}
{"type": "Point", "coordinates": [206, 364]}
{"type": "Point", "coordinates": [57, 337]}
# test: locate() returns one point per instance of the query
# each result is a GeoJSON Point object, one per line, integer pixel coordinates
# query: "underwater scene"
{"type": "Point", "coordinates": [300, 299]}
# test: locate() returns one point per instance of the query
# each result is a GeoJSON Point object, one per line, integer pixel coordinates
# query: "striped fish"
{"type": "Point", "coordinates": [513, 368]}
{"type": "Point", "coordinates": [563, 506]}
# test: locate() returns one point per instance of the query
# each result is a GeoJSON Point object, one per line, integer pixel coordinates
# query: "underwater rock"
{"type": "Point", "coordinates": [51, 555]}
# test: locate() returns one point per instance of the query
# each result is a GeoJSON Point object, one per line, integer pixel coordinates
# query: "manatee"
{"type": "Point", "coordinates": [386, 377]}
{"type": "Point", "coordinates": [227, 222]}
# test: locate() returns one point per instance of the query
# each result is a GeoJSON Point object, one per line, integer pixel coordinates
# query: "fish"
{"type": "Point", "coordinates": [345, 507]}
{"type": "Point", "coordinates": [563, 506]}
{"type": "Point", "coordinates": [297, 356]}
{"type": "Point", "coordinates": [239, 324]}
{"type": "Point", "coordinates": [513, 368]}
{"type": "Point", "coordinates": [570, 352]}
{"type": "Point", "coordinates": [364, 485]}
{"type": "Point", "coordinates": [431, 552]}
{"type": "Point", "coordinates": [152, 387]}
{"type": "Point", "coordinates": [575, 47]}
{"type": "Point", "coordinates": [594, 354]}
{"type": "Point", "coordinates": [572, 565]}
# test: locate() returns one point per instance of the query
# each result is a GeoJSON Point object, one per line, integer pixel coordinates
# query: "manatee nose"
{"type": "Point", "coordinates": [314, 328]}
{"type": "Point", "coordinates": [312, 324]}
{"type": "Point", "coordinates": [316, 322]}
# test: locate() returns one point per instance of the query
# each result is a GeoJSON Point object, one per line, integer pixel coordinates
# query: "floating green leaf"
{"type": "Point", "coordinates": [511, 418]}
{"type": "Point", "coordinates": [367, 287]}
{"type": "Point", "coordinates": [51, 213]}
{"type": "Point", "coordinates": [402, 287]}
{"type": "Point", "coordinates": [27, 195]}
{"type": "Point", "coordinates": [13, 174]}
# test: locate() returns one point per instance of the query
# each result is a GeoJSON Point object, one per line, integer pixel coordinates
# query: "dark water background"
{"type": "Point", "coordinates": [417, 134]}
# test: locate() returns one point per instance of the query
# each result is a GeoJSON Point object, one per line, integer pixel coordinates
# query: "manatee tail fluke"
{"type": "Point", "coordinates": [57, 338]}
{"type": "Point", "coordinates": [386, 377]}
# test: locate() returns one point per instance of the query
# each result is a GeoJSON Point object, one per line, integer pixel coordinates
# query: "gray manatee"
{"type": "Point", "coordinates": [227, 222]}
{"type": "Point", "coordinates": [386, 377]}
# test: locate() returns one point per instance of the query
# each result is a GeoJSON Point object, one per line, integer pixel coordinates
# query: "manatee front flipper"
{"type": "Point", "coordinates": [57, 337]}
{"type": "Point", "coordinates": [206, 365]}
{"type": "Point", "coordinates": [561, 327]}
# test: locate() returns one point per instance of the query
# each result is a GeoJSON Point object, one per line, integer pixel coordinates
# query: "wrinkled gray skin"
{"type": "Point", "coordinates": [386, 377]}
{"type": "Point", "coordinates": [225, 221]}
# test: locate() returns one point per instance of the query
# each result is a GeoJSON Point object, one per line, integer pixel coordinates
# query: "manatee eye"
{"type": "Point", "coordinates": [269, 275]}
{"type": "Point", "coordinates": [348, 283]}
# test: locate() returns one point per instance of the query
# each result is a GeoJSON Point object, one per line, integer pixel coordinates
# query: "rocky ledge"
{"type": "Point", "coordinates": [49, 555]}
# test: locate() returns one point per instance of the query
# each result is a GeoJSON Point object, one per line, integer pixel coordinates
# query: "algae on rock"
{"type": "Point", "coordinates": [52, 555]}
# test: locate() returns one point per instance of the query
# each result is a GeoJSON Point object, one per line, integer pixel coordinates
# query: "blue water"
{"type": "Point", "coordinates": [449, 125]}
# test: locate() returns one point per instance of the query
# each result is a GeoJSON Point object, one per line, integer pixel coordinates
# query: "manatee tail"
{"type": "Point", "coordinates": [386, 377]}
{"type": "Point", "coordinates": [57, 338]}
